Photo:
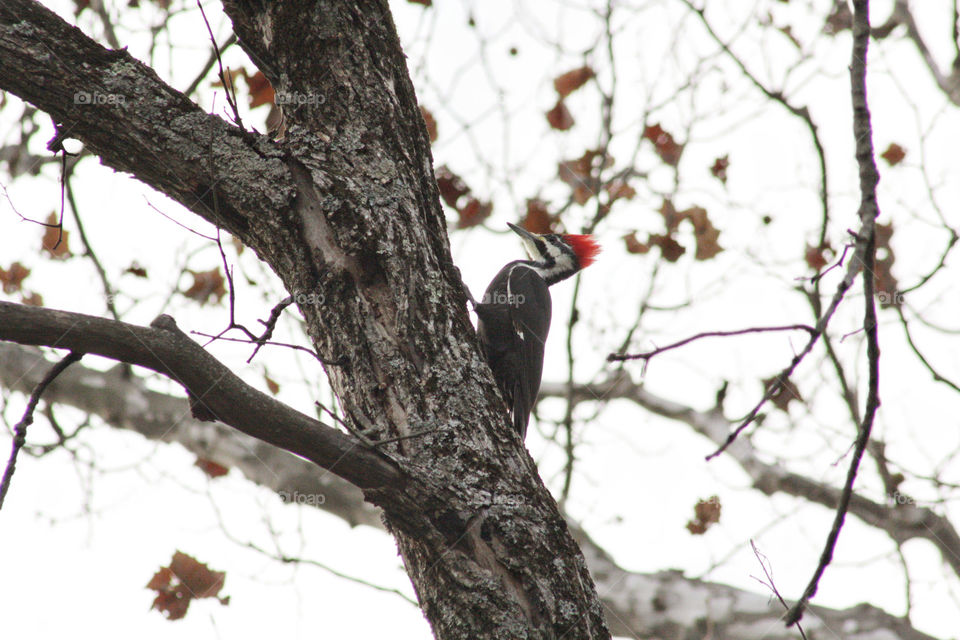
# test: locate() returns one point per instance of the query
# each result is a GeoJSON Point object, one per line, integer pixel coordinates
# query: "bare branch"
{"type": "Point", "coordinates": [902, 521]}
{"type": "Point", "coordinates": [869, 210]}
{"type": "Point", "coordinates": [125, 402]}
{"type": "Point", "coordinates": [215, 391]}
{"type": "Point", "coordinates": [614, 357]}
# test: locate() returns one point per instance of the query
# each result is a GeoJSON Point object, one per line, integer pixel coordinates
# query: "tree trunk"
{"type": "Point", "coordinates": [345, 210]}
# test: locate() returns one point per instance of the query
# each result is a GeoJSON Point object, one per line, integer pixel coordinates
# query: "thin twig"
{"type": "Point", "coordinates": [287, 559]}
{"type": "Point", "coordinates": [937, 376]}
{"type": "Point", "coordinates": [768, 583]}
{"type": "Point", "coordinates": [20, 429]}
{"type": "Point", "coordinates": [336, 363]}
{"type": "Point", "coordinates": [228, 87]}
{"type": "Point", "coordinates": [838, 263]}
{"type": "Point", "coordinates": [214, 56]}
{"type": "Point", "coordinates": [269, 323]}
{"type": "Point", "coordinates": [617, 357]}
{"type": "Point", "coordinates": [104, 280]}
{"type": "Point", "coordinates": [781, 378]}
{"type": "Point", "coordinates": [178, 223]}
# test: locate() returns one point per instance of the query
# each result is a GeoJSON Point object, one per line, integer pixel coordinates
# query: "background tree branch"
{"type": "Point", "coordinates": [903, 520]}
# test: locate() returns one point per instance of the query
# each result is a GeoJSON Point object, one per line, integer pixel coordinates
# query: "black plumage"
{"type": "Point", "coordinates": [513, 323]}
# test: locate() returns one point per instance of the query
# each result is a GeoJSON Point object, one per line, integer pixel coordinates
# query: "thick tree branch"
{"type": "Point", "coordinates": [136, 123]}
{"type": "Point", "coordinates": [215, 391]}
{"type": "Point", "coordinates": [125, 402]}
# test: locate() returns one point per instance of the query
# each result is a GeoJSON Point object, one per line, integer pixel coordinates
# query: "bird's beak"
{"type": "Point", "coordinates": [523, 233]}
{"type": "Point", "coordinates": [529, 240]}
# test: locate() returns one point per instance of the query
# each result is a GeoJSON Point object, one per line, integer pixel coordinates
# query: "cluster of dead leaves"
{"type": "Point", "coordinates": [706, 513]}
{"type": "Point", "coordinates": [455, 192]}
{"type": "Point", "coordinates": [705, 234]}
{"type": "Point", "coordinates": [184, 580]}
{"type": "Point", "coordinates": [559, 116]}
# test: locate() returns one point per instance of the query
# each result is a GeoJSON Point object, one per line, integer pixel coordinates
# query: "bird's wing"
{"type": "Point", "coordinates": [513, 322]}
{"type": "Point", "coordinates": [531, 321]}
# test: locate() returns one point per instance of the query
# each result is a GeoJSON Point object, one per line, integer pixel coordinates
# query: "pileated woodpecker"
{"type": "Point", "coordinates": [514, 315]}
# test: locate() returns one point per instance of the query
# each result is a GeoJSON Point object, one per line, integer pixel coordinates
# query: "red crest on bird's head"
{"type": "Point", "coordinates": [585, 247]}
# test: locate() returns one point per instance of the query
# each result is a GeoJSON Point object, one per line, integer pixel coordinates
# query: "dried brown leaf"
{"type": "Point", "coordinates": [619, 189]}
{"type": "Point", "coordinates": [452, 187]}
{"type": "Point", "coordinates": [260, 89]}
{"type": "Point", "coordinates": [670, 249]}
{"type": "Point", "coordinates": [719, 168]}
{"type": "Point", "coordinates": [706, 513]}
{"type": "Point", "coordinates": [206, 284]}
{"type": "Point", "coordinates": [634, 245]}
{"type": "Point", "coordinates": [570, 81]}
{"type": "Point", "coordinates": [559, 117]}
{"type": "Point", "coordinates": [13, 278]}
{"type": "Point", "coordinates": [894, 154]}
{"type": "Point", "coordinates": [56, 239]}
{"type": "Point", "coordinates": [211, 468]}
{"type": "Point", "coordinates": [663, 142]}
{"type": "Point", "coordinates": [430, 122]}
{"type": "Point", "coordinates": [473, 213]}
{"type": "Point", "coordinates": [538, 218]}
{"type": "Point", "coordinates": [786, 393]}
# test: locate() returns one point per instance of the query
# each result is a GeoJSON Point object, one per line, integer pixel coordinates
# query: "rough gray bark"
{"type": "Point", "coordinates": [660, 605]}
{"type": "Point", "coordinates": [345, 207]}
